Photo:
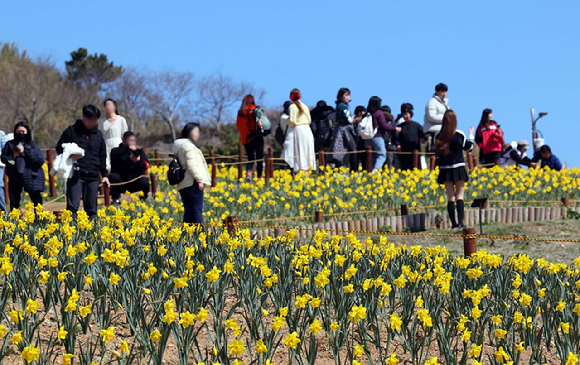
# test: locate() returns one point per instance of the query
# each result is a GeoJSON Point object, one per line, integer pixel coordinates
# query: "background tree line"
{"type": "Point", "coordinates": [155, 103]}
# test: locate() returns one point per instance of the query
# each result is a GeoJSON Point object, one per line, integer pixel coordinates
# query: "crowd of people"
{"type": "Point", "coordinates": [342, 134]}
{"type": "Point", "coordinates": [90, 156]}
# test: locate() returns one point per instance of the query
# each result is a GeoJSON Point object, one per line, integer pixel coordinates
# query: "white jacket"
{"type": "Point", "coordinates": [191, 159]}
{"type": "Point", "coordinates": [62, 165]}
{"type": "Point", "coordinates": [434, 111]}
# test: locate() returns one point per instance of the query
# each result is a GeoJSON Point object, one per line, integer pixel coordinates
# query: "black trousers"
{"type": "Point", "coordinates": [255, 151]}
{"type": "Point", "coordinates": [491, 158]}
{"type": "Point", "coordinates": [141, 184]}
{"type": "Point", "coordinates": [192, 199]}
{"type": "Point", "coordinates": [15, 191]}
{"type": "Point", "coordinates": [80, 188]}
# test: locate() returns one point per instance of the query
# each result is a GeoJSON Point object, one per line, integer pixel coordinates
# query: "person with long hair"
{"type": "Point", "coordinates": [304, 155]}
{"type": "Point", "coordinates": [250, 137]}
{"type": "Point", "coordinates": [113, 128]}
{"type": "Point", "coordinates": [23, 160]}
{"type": "Point", "coordinates": [449, 146]}
{"type": "Point", "coordinates": [489, 138]}
{"type": "Point", "coordinates": [196, 173]}
{"type": "Point", "coordinates": [343, 135]}
{"type": "Point", "coordinates": [377, 143]}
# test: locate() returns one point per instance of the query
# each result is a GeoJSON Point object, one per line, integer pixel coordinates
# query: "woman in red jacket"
{"type": "Point", "coordinates": [489, 138]}
{"type": "Point", "coordinates": [253, 141]}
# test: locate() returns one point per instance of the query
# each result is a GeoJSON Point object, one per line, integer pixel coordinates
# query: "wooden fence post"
{"type": "Point", "coordinates": [498, 162]}
{"type": "Point", "coordinates": [565, 202]}
{"type": "Point", "coordinates": [231, 224]}
{"type": "Point", "coordinates": [240, 162]}
{"type": "Point", "coordinates": [404, 210]}
{"type": "Point", "coordinates": [432, 163]}
{"type": "Point", "coordinates": [369, 159]}
{"type": "Point", "coordinates": [469, 242]}
{"type": "Point", "coordinates": [270, 166]}
{"type": "Point", "coordinates": [415, 159]}
{"type": "Point", "coordinates": [470, 161]}
{"type": "Point", "coordinates": [319, 216]}
{"type": "Point", "coordinates": [51, 182]}
{"type": "Point", "coordinates": [157, 158]}
{"type": "Point", "coordinates": [475, 162]}
{"type": "Point", "coordinates": [213, 169]}
{"type": "Point", "coordinates": [321, 162]}
{"type": "Point", "coordinates": [153, 183]}
{"type": "Point", "coordinates": [107, 191]}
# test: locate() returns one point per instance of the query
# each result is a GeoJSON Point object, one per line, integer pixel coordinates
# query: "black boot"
{"type": "Point", "coordinates": [451, 212]}
{"type": "Point", "coordinates": [460, 213]}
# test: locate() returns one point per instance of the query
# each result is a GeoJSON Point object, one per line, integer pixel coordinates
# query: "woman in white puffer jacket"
{"type": "Point", "coordinates": [435, 109]}
{"type": "Point", "coordinates": [196, 173]}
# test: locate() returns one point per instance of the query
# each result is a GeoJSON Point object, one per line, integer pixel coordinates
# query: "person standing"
{"type": "Point", "coordinates": [343, 135]}
{"type": "Point", "coordinates": [288, 147]}
{"type": "Point", "coordinates": [129, 164]}
{"type": "Point", "coordinates": [449, 146]}
{"type": "Point", "coordinates": [410, 139]}
{"type": "Point", "coordinates": [113, 127]}
{"type": "Point", "coordinates": [252, 140]}
{"type": "Point", "coordinates": [196, 173]}
{"type": "Point", "coordinates": [377, 143]}
{"type": "Point", "coordinates": [3, 140]}
{"type": "Point", "coordinates": [305, 157]}
{"type": "Point", "coordinates": [84, 183]}
{"type": "Point", "coordinates": [390, 137]}
{"type": "Point", "coordinates": [322, 119]}
{"type": "Point", "coordinates": [23, 160]}
{"type": "Point", "coordinates": [434, 111]}
{"type": "Point", "coordinates": [489, 138]}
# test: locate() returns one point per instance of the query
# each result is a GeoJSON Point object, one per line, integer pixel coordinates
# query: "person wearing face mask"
{"type": "Point", "coordinates": [129, 164]}
{"type": "Point", "coordinates": [84, 184]}
{"type": "Point", "coordinates": [196, 173]}
{"type": "Point", "coordinates": [23, 160]}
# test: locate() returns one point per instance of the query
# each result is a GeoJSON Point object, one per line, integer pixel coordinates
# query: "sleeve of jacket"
{"type": "Point", "coordinates": [518, 159]}
{"type": "Point", "coordinates": [194, 166]}
{"type": "Point", "coordinates": [34, 157]}
{"type": "Point", "coordinates": [293, 115]}
{"type": "Point", "coordinates": [432, 112]}
{"type": "Point", "coordinates": [103, 159]}
{"type": "Point", "coordinates": [467, 143]}
{"type": "Point", "coordinates": [64, 138]}
{"type": "Point", "coordinates": [7, 153]}
{"type": "Point", "coordinates": [557, 163]}
{"type": "Point", "coordinates": [382, 123]}
{"type": "Point", "coordinates": [143, 161]}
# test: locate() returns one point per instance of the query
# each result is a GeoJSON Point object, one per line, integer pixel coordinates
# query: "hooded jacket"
{"type": "Point", "coordinates": [191, 159]}
{"type": "Point", "coordinates": [322, 119]}
{"type": "Point", "coordinates": [92, 142]}
{"type": "Point", "coordinates": [246, 124]}
{"type": "Point", "coordinates": [27, 169]}
{"type": "Point", "coordinates": [434, 111]}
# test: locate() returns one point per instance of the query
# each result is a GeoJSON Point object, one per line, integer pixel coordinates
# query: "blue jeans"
{"type": "Point", "coordinates": [379, 152]}
{"type": "Point", "coordinates": [192, 204]}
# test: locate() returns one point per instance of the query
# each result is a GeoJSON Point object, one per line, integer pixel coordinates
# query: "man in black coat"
{"type": "Point", "coordinates": [129, 164]}
{"type": "Point", "coordinates": [85, 180]}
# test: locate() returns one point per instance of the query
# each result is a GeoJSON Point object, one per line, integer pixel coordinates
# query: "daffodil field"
{"type": "Point", "coordinates": [339, 192]}
{"type": "Point", "coordinates": [135, 287]}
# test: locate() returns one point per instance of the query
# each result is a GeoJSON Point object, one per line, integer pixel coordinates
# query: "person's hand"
{"type": "Point", "coordinates": [357, 119]}
{"type": "Point", "coordinates": [106, 182]}
{"type": "Point", "coordinates": [398, 148]}
{"type": "Point", "coordinates": [533, 165]}
{"type": "Point", "coordinates": [398, 129]}
{"type": "Point", "coordinates": [75, 157]}
{"type": "Point", "coordinates": [132, 147]}
{"type": "Point", "coordinates": [200, 185]}
{"type": "Point", "coordinates": [135, 158]}
{"type": "Point", "coordinates": [471, 131]}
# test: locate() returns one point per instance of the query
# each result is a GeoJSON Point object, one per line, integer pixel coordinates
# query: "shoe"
{"type": "Point", "coordinates": [461, 226]}
{"type": "Point", "coordinates": [455, 226]}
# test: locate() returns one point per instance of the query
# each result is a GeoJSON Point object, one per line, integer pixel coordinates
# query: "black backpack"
{"type": "Point", "coordinates": [176, 173]}
{"type": "Point", "coordinates": [280, 135]}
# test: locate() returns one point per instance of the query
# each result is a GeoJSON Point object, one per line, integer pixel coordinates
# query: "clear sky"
{"type": "Point", "coordinates": [504, 55]}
